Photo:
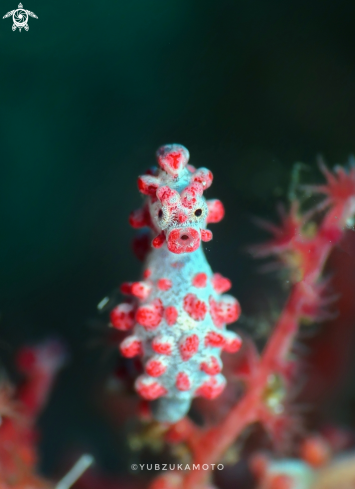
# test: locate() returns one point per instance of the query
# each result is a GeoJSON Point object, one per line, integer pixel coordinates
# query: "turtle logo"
{"type": "Point", "coordinates": [20, 17]}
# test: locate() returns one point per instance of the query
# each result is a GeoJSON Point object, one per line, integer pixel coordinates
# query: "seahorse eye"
{"type": "Point", "coordinates": [198, 212]}
{"type": "Point", "coordinates": [160, 214]}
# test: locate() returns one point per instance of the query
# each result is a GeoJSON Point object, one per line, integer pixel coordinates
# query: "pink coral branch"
{"type": "Point", "coordinates": [19, 409]}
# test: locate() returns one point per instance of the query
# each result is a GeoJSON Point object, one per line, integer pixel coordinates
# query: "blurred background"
{"type": "Point", "coordinates": [87, 96]}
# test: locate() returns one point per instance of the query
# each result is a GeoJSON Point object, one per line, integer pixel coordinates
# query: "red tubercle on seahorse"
{"type": "Point", "coordinates": [221, 284]}
{"type": "Point", "coordinates": [155, 366]}
{"type": "Point", "coordinates": [195, 307]}
{"type": "Point", "coordinates": [150, 315]}
{"type": "Point", "coordinates": [211, 366]}
{"type": "Point", "coordinates": [159, 240]}
{"type": "Point", "coordinates": [171, 315]}
{"type": "Point", "coordinates": [162, 344]}
{"type": "Point", "coordinates": [149, 388]}
{"type": "Point", "coordinates": [189, 346]}
{"type": "Point", "coordinates": [215, 211]}
{"type": "Point", "coordinates": [123, 316]}
{"type": "Point", "coordinates": [164, 284]}
{"type": "Point", "coordinates": [183, 382]}
{"type": "Point", "coordinates": [199, 280]}
{"type": "Point", "coordinates": [212, 387]}
{"type": "Point", "coordinates": [147, 273]}
{"type": "Point", "coordinates": [141, 290]}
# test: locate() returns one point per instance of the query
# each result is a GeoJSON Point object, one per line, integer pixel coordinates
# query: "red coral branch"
{"type": "Point", "coordinates": [19, 409]}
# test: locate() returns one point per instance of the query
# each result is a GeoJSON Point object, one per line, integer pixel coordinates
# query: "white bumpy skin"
{"type": "Point", "coordinates": [177, 314]}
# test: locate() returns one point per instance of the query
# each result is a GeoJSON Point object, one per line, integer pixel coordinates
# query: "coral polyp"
{"type": "Point", "coordinates": [178, 312]}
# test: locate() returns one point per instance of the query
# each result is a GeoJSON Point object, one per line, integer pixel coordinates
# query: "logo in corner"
{"type": "Point", "coordinates": [20, 17]}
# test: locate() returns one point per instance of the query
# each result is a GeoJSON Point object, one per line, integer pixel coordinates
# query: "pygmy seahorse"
{"type": "Point", "coordinates": [178, 312]}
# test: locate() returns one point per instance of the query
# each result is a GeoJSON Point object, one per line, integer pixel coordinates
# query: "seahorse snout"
{"type": "Point", "coordinates": [183, 240]}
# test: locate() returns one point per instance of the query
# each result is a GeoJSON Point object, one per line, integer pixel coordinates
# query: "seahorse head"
{"type": "Point", "coordinates": [176, 208]}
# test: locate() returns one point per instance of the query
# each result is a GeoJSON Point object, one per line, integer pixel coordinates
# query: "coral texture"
{"type": "Point", "coordinates": [177, 314]}
{"type": "Point", "coordinates": [19, 409]}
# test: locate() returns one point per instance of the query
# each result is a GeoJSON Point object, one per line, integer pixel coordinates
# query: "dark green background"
{"type": "Point", "coordinates": [90, 92]}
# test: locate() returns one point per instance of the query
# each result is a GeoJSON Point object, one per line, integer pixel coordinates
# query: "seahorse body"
{"type": "Point", "coordinates": [178, 312]}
